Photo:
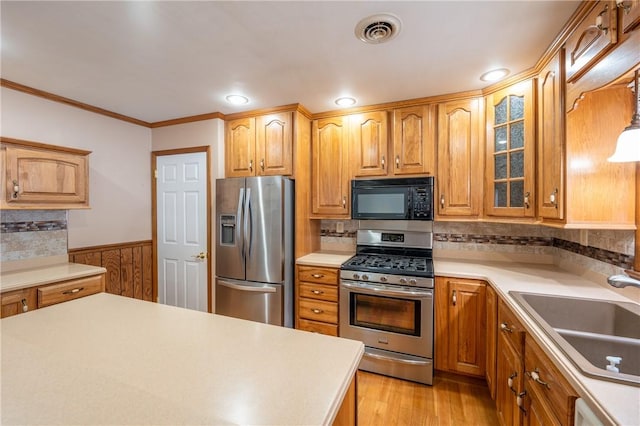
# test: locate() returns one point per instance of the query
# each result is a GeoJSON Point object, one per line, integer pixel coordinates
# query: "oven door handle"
{"type": "Point", "coordinates": [394, 359]}
{"type": "Point", "coordinates": [372, 289]}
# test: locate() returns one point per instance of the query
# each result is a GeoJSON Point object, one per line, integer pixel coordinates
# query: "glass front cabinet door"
{"type": "Point", "coordinates": [510, 182]}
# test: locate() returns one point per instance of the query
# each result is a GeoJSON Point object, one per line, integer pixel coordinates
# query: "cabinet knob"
{"type": "Point", "coordinates": [382, 162]}
{"type": "Point", "coordinates": [344, 202]}
{"type": "Point", "coordinates": [250, 165]}
{"type": "Point", "coordinates": [504, 327]}
{"type": "Point", "coordinates": [526, 199]}
{"type": "Point", "coordinates": [262, 164]}
{"type": "Point", "coordinates": [397, 161]}
{"type": "Point", "coordinates": [442, 201]}
{"type": "Point", "coordinates": [454, 298]}
{"type": "Point", "coordinates": [600, 20]}
{"type": "Point", "coordinates": [16, 189]}
{"type": "Point", "coordinates": [25, 306]}
{"type": "Point", "coordinates": [553, 198]}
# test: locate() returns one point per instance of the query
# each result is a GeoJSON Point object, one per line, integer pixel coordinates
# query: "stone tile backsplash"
{"type": "Point", "coordinates": [27, 234]}
{"type": "Point", "coordinates": [614, 248]}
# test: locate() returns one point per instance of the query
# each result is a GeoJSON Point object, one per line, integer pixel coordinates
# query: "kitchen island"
{"type": "Point", "coordinates": [106, 359]}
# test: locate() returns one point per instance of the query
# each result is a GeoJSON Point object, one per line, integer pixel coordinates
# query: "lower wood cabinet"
{"type": "Point", "coordinates": [460, 326]}
{"type": "Point", "coordinates": [492, 339]}
{"type": "Point", "coordinates": [317, 299]}
{"type": "Point", "coordinates": [18, 301]}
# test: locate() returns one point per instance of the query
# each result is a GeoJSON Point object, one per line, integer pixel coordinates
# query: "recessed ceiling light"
{"type": "Point", "coordinates": [345, 101]}
{"type": "Point", "coordinates": [237, 99]}
{"type": "Point", "coordinates": [494, 75]}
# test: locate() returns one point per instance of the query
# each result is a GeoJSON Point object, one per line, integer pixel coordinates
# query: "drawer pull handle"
{"type": "Point", "coordinates": [505, 328]}
{"type": "Point", "coordinates": [317, 275]}
{"type": "Point", "coordinates": [520, 401]}
{"type": "Point", "coordinates": [535, 376]}
{"type": "Point", "coordinates": [74, 291]}
{"type": "Point", "coordinates": [25, 306]}
{"type": "Point", "coordinates": [317, 292]}
{"type": "Point", "coordinates": [317, 311]}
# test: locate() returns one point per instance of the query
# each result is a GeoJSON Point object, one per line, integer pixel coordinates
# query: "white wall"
{"type": "Point", "coordinates": [120, 179]}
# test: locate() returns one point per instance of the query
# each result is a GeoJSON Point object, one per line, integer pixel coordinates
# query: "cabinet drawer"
{"type": "Point", "coordinates": [316, 274]}
{"type": "Point", "coordinates": [69, 290]}
{"type": "Point", "coordinates": [551, 385]}
{"type": "Point", "coordinates": [318, 327]}
{"type": "Point", "coordinates": [318, 291]}
{"type": "Point", "coordinates": [318, 310]}
{"type": "Point", "coordinates": [510, 328]}
{"type": "Point", "coordinates": [589, 42]}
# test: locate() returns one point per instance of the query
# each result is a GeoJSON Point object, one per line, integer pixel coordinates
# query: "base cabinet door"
{"type": "Point", "coordinates": [18, 301]}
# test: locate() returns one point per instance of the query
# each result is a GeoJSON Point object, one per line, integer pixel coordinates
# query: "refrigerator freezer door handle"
{"type": "Point", "coordinates": [239, 220]}
{"type": "Point", "coordinates": [247, 288]}
{"type": "Point", "coordinates": [248, 226]}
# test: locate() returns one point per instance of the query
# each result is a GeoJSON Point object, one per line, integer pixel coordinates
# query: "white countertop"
{"type": "Point", "coordinates": [617, 403]}
{"type": "Point", "coordinates": [29, 277]}
{"type": "Point", "coordinates": [107, 359]}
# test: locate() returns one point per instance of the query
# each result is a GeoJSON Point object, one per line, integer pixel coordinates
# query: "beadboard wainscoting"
{"type": "Point", "coordinates": [129, 267]}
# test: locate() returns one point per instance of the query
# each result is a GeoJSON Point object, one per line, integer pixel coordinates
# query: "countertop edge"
{"type": "Point", "coordinates": [342, 391]}
{"type": "Point", "coordinates": [32, 277]}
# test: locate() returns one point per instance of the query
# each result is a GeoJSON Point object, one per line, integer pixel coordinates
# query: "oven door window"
{"type": "Point", "coordinates": [381, 203]}
{"type": "Point", "coordinates": [383, 313]}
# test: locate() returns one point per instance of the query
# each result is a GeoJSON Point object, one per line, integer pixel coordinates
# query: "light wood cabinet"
{"type": "Point", "coordinates": [369, 144]}
{"type": "Point", "coordinates": [630, 15]}
{"type": "Point", "coordinates": [551, 141]}
{"type": "Point", "coordinates": [259, 146]}
{"type": "Point", "coordinates": [510, 156]}
{"type": "Point", "coordinates": [316, 302]}
{"type": "Point", "coordinates": [551, 396]}
{"type": "Point", "coordinates": [70, 290]}
{"type": "Point", "coordinates": [330, 169]}
{"type": "Point", "coordinates": [18, 301]}
{"type": "Point", "coordinates": [492, 339]}
{"type": "Point", "coordinates": [592, 39]}
{"type": "Point", "coordinates": [414, 140]}
{"type": "Point", "coordinates": [460, 159]}
{"type": "Point", "coordinates": [40, 176]}
{"type": "Point", "coordinates": [509, 367]}
{"type": "Point", "coordinates": [460, 334]}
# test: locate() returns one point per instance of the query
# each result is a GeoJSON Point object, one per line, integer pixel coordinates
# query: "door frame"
{"type": "Point", "coordinates": [154, 215]}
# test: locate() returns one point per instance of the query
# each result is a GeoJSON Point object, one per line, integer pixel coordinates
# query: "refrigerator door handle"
{"type": "Point", "coordinates": [239, 221]}
{"type": "Point", "coordinates": [233, 286]}
{"type": "Point", "coordinates": [248, 226]}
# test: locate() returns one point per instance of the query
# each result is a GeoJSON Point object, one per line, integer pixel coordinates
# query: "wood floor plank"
{"type": "Point", "coordinates": [452, 400]}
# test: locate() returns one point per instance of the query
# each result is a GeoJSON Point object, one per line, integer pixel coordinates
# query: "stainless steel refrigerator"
{"type": "Point", "coordinates": [254, 249]}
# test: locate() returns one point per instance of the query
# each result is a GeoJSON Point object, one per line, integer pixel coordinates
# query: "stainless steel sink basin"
{"type": "Point", "coordinates": [589, 331]}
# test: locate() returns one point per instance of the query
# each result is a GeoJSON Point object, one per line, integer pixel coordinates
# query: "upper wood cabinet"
{"type": "Point", "coordinates": [595, 35]}
{"type": "Point", "coordinates": [40, 176]}
{"type": "Point", "coordinates": [369, 143]}
{"type": "Point", "coordinates": [330, 168]}
{"type": "Point", "coordinates": [414, 140]}
{"type": "Point", "coordinates": [260, 146]}
{"type": "Point", "coordinates": [460, 159]}
{"type": "Point", "coordinates": [551, 139]}
{"type": "Point", "coordinates": [510, 156]}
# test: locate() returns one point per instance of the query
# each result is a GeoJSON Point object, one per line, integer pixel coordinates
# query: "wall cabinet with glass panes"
{"type": "Point", "coordinates": [509, 179]}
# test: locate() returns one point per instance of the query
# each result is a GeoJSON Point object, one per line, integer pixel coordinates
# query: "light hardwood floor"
{"type": "Point", "coordinates": [452, 400]}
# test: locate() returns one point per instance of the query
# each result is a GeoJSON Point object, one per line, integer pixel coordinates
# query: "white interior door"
{"type": "Point", "coordinates": [181, 191]}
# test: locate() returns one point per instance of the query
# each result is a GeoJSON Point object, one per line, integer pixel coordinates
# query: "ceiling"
{"type": "Point", "coordinates": [156, 61]}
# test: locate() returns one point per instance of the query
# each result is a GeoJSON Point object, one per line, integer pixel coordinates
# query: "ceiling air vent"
{"type": "Point", "coordinates": [377, 29]}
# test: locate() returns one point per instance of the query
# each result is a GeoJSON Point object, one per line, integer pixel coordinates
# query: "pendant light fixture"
{"type": "Point", "coordinates": [628, 146]}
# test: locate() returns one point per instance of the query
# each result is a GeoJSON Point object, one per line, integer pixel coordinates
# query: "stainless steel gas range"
{"type": "Point", "coordinates": [386, 298]}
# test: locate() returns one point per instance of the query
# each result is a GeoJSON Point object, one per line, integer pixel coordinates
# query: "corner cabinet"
{"type": "Point", "coordinates": [259, 146]}
{"type": "Point", "coordinates": [414, 140]}
{"type": "Point", "coordinates": [330, 168]}
{"type": "Point", "coordinates": [460, 328]}
{"type": "Point", "coordinates": [41, 176]}
{"type": "Point", "coordinates": [460, 159]}
{"type": "Point", "coordinates": [510, 156]}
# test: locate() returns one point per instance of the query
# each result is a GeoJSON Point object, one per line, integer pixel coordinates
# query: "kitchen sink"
{"type": "Point", "coordinates": [592, 333]}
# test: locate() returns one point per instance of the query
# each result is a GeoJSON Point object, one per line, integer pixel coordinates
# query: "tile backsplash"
{"type": "Point", "coordinates": [28, 234]}
{"type": "Point", "coordinates": [601, 250]}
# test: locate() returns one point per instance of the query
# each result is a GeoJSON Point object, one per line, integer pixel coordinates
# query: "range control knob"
{"type": "Point", "coordinates": [403, 280]}
{"type": "Point", "coordinates": [356, 276]}
{"type": "Point", "coordinates": [413, 281]}
{"type": "Point", "coordinates": [383, 279]}
{"type": "Point", "coordinates": [365, 277]}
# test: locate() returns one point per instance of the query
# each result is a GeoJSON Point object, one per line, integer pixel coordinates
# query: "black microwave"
{"type": "Point", "coordinates": [392, 199]}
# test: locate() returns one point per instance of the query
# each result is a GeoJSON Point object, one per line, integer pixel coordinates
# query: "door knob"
{"type": "Point", "coordinates": [202, 255]}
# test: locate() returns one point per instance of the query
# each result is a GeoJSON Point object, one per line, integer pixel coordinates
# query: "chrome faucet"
{"type": "Point", "coordinates": [620, 281]}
